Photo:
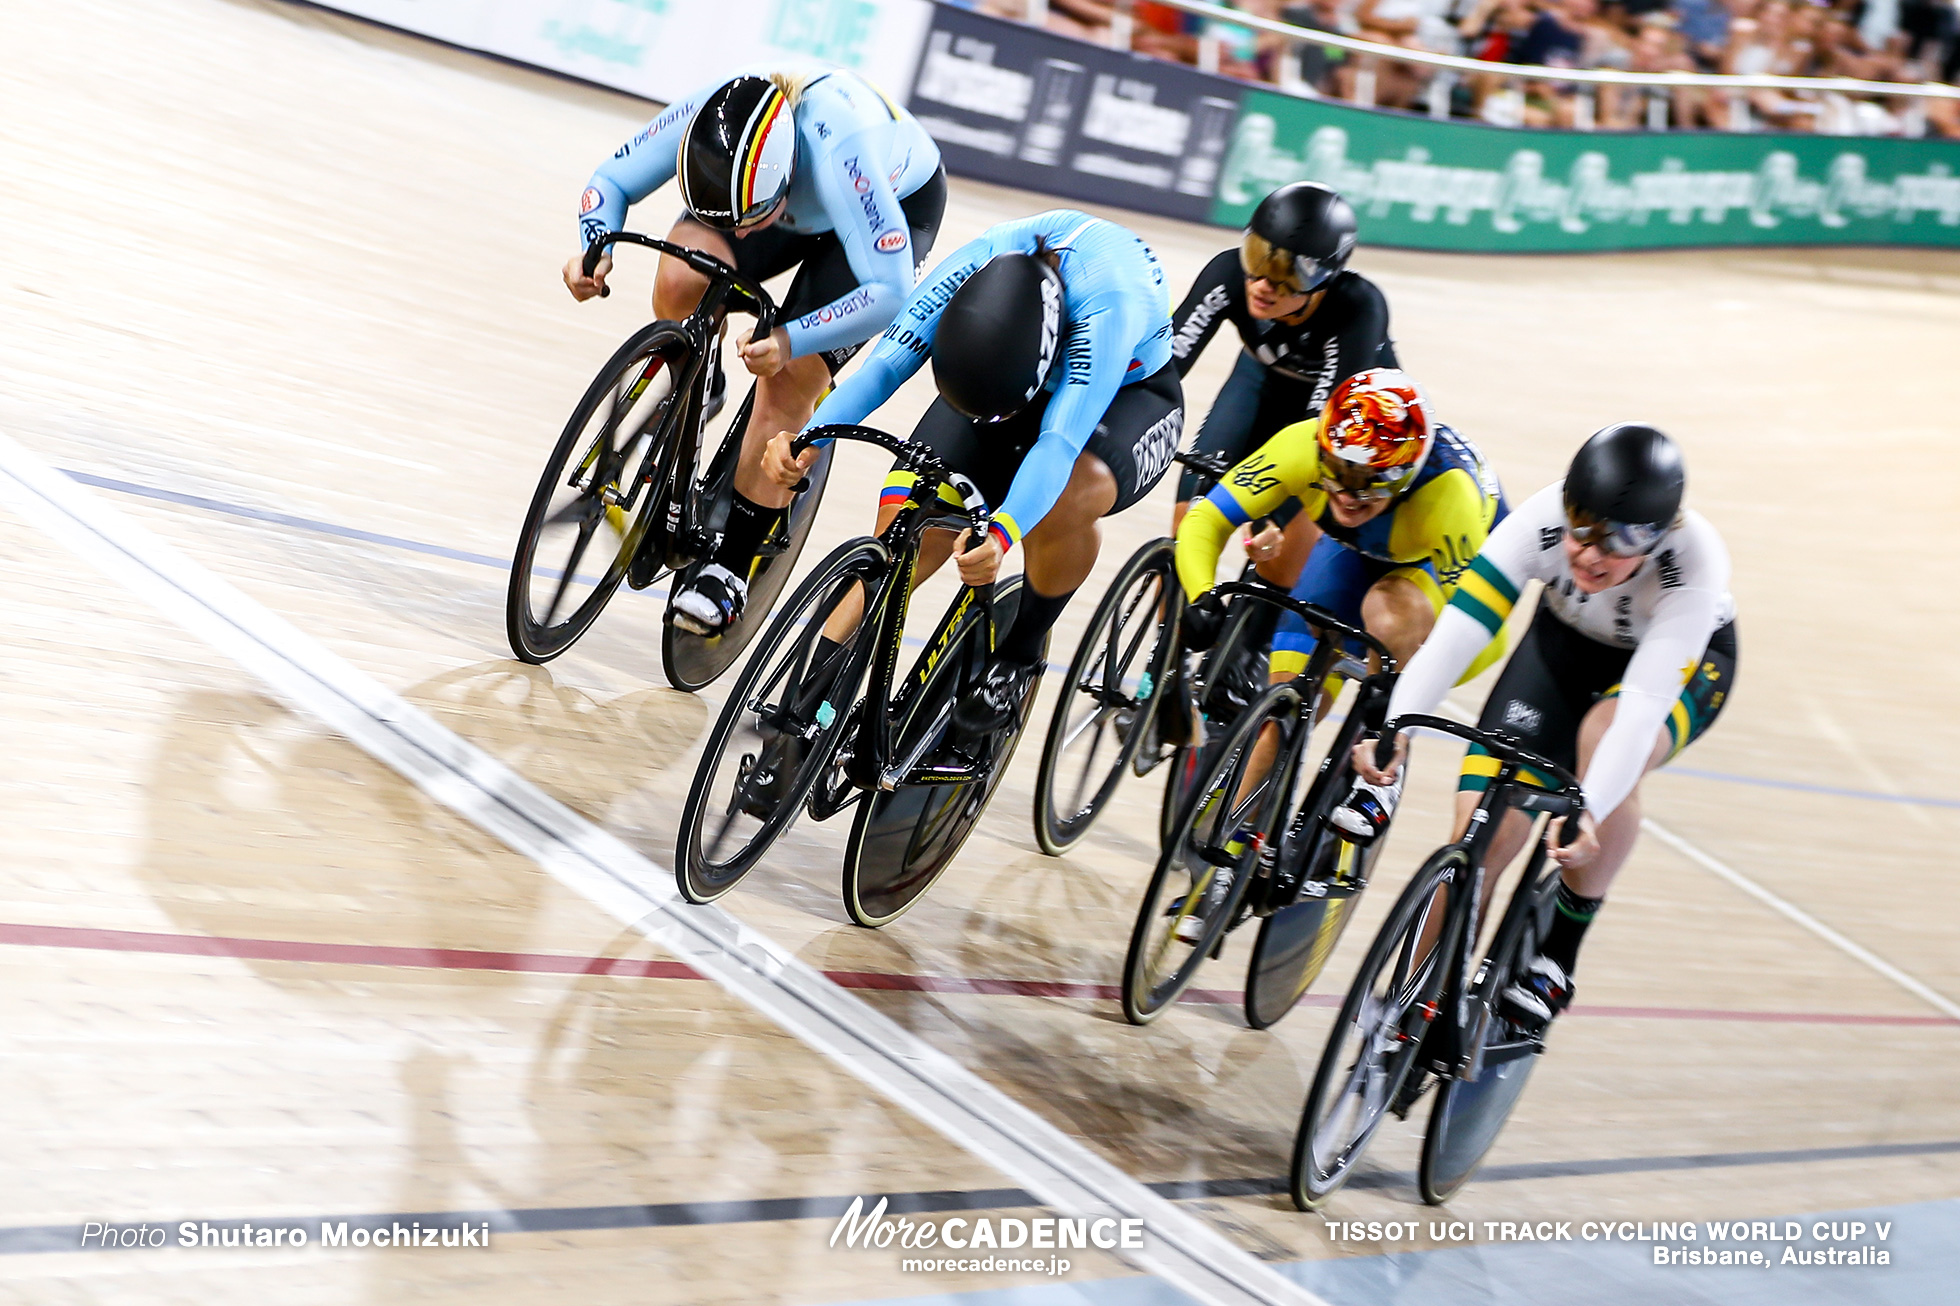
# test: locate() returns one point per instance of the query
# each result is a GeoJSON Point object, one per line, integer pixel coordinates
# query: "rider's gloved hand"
{"type": "Point", "coordinates": [1203, 621]}
{"type": "Point", "coordinates": [582, 286]}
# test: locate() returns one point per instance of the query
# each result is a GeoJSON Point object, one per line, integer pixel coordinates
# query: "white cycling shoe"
{"type": "Point", "coordinates": [711, 601]}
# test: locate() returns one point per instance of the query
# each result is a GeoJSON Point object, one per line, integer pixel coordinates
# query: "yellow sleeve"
{"type": "Point", "coordinates": [1444, 523]}
{"type": "Point", "coordinates": [1201, 539]}
{"type": "Point", "coordinates": [1286, 466]}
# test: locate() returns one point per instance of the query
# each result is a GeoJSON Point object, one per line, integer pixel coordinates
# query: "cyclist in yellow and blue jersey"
{"type": "Point", "coordinates": [1401, 504]}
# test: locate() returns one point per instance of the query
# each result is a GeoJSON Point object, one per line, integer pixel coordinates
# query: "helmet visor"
{"type": "Point", "coordinates": [1296, 274]}
{"type": "Point", "coordinates": [1613, 538]}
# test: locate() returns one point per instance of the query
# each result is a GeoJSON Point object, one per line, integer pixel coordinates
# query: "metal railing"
{"type": "Point", "coordinates": [1659, 86]}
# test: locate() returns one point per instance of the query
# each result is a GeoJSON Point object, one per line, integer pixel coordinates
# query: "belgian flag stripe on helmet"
{"type": "Point", "coordinates": [746, 168]}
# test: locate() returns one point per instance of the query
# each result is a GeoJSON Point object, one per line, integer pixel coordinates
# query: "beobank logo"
{"type": "Point", "coordinates": [860, 1229]}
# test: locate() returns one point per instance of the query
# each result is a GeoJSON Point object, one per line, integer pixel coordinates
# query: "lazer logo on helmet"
{"type": "Point", "coordinates": [890, 242]}
{"type": "Point", "coordinates": [1051, 328]}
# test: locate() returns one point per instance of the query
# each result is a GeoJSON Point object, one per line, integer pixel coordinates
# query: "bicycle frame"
{"type": "Point", "coordinates": [872, 764]}
{"type": "Point", "coordinates": [1329, 657]}
{"type": "Point", "coordinates": [1459, 1052]}
{"type": "Point", "coordinates": [669, 462]}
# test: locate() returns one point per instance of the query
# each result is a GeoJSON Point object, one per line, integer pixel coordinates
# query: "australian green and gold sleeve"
{"type": "Point", "coordinates": [1285, 467]}
{"type": "Point", "coordinates": [1486, 593]}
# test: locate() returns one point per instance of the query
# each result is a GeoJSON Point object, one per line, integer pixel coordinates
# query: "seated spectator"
{"type": "Point", "coordinates": [1316, 63]}
{"type": "Point", "coordinates": [1658, 48]}
{"type": "Point", "coordinates": [1765, 45]}
{"type": "Point", "coordinates": [1164, 32]}
{"type": "Point", "coordinates": [1554, 39]}
{"type": "Point", "coordinates": [1704, 24]}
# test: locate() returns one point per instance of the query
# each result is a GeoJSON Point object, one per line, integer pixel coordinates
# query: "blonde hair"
{"type": "Point", "coordinates": [790, 85]}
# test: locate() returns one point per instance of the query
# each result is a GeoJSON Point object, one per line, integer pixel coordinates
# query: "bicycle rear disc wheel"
{"type": "Point", "coordinates": [1107, 702]}
{"type": "Point", "coordinates": [784, 715]}
{"type": "Point", "coordinates": [903, 840]}
{"type": "Point", "coordinates": [693, 661]}
{"type": "Point", "coordinates": [1375, 1040]}
{"type": "Point", "coordinates": [1160, 965]}
{"type": "Point", "coordinates": [588, 516]}
{"type": "Point", "coordinates": [1295, 942]}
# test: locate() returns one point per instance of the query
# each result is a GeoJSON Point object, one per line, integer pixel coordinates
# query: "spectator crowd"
{"type": "Point", "coordinates": [1906, 41]}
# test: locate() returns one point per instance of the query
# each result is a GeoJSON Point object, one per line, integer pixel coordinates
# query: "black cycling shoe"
{"type": "Point", "coordinates": [767, 778]}
{"type": "Point", "coordinates": [995, 702]}
{"type": "Point", "coordinates": [1538, 994]}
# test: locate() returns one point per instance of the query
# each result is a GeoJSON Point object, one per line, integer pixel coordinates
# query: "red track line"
{"type": "Point", "coordinates": [546, 963]}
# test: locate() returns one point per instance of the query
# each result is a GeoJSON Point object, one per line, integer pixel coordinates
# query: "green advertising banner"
{"type": "Point", "coordinates": [1424, 184]}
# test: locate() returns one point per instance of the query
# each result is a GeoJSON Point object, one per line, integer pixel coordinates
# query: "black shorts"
{"type": "Point", "coordinates": [1557, 674]}
{"type": "Point", "coordinates": [1135, 440]}
{"type": "Point", "coordinates": [1253, 405]}
{"type": "Point", "coordinates": [824, 272]}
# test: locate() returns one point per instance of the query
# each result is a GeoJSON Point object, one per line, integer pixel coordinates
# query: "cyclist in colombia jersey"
{"type": "Point", "coordinates": [1050, 346]}
{"type": "Point", "coordinates": [790, 164]}
{"type": "Point", "coordinates": [1629, 658]}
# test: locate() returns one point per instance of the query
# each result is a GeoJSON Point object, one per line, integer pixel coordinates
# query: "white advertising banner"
{"type": "Point", "coordinates": [665, 48]}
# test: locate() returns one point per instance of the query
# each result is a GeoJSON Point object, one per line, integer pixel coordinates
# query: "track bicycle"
{"type": "Point", "coordinates": [637, 488]}
{"type": "Point", "coordinates": [1424, 1005]}
{"type": "Point", "coordinates": [1110, 716]}
{"type": "Point", "coordinates": [798, 733]}
{"type": "Point", "coordinates": [1245, 845]}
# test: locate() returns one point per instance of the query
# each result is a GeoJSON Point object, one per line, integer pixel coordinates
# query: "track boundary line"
{"type": "Point", "coordinates": [1059, 1170]}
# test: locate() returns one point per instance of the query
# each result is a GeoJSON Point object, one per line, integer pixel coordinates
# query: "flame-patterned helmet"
{"type": "Point", "coordinates": [1375, 435]}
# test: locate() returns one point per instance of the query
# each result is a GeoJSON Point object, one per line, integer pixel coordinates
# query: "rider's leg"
{"type": "Point", "coordinates": [934, 548]}
{"type": "Point", "coordinates": [1059, 554]}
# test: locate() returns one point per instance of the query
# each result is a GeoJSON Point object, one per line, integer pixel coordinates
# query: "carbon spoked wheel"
{"type": "Point", "coordinates": [1468, 1115]}
{"type": "Point", "coordinates": [694, 661]}
{"type": "Point", "coordinates": [1295, 942]}
{"type": "Point", "coordinates": [1104, 711]}
{"type": "Point", "coordinates": [775, 735]}
{"type": "Point", "coordinates": [1374, 1043]}
{"type": "Point", "coordinates": [594, 504]}
{"type": "Point", "coordinates": [902, 841]}
{"type": "Point", "coordinates": [1207, 865]}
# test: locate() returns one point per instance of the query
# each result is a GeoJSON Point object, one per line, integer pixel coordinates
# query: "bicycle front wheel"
{"type": "Point", "coordinates": [1295, 942]}
{"type": "Point", "coordinates": [593, 507]}
{"type": "Point", "coordinates": [1376, 1037]}
{"type": "Point", "coordinates": [784, 716]}
{"type": "Point", "coordinates": [902, 840]}
{"type": "Point", "coordinates": [1207, 865]}
{"type": "Point", "coordinates": [1106, 705]}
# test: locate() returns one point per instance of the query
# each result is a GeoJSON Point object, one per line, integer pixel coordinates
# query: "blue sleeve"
{"type": "Point", "coordinates": [850, 180]}
{"type": "Point", "coordinates": [637, 169]}
{"type": "Point", "coordinates": [906, 344]}
{"type": "Point", "coordinates": [1098, 356]}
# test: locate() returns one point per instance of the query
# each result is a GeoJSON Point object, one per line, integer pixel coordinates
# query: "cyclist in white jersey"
{"type": "Point", "coordinates": [1630, 657]}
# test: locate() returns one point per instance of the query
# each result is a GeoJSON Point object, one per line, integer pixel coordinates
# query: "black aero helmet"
{"type": "Point", "coordinates": [1300, 236]}
{"type": "Point", "coordinates": [737, 153]}
{"type": "Point", "coordinates": [999, 336]}
{"type": "Point", "coordinates": [1624, 488]}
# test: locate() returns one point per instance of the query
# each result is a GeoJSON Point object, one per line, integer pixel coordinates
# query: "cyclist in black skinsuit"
{"type": "Point", "coordinates": [1307, 324]}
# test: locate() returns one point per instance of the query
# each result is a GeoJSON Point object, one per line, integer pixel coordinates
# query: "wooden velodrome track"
{"type": "Point", "coordinates": [282, 288]}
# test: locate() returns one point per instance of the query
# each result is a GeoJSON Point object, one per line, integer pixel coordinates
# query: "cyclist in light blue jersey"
{"type": "Point", "coordinates": [790, 164]}
{"type": "Point", "coordinates": [1050, 344]}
